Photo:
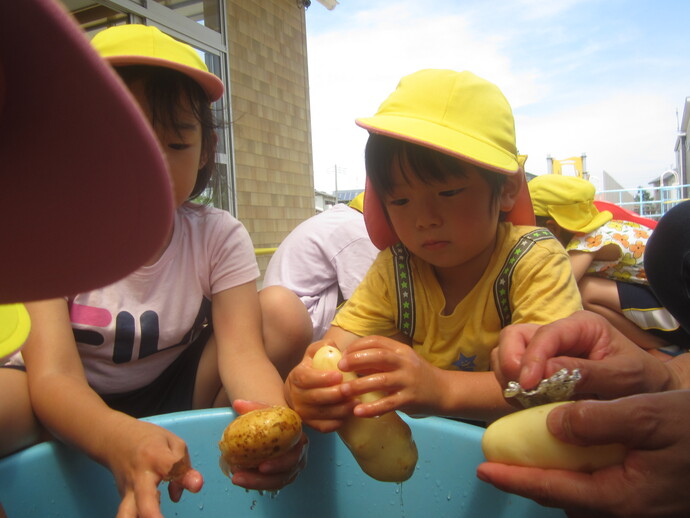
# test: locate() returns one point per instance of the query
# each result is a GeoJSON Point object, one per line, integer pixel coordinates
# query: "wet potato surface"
{"type": "Point", "coordinates": [259, 435]}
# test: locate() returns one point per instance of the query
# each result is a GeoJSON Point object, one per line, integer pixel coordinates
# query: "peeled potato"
{"type": "Point", "coordinates": [259, 435]}
{"type": "Point", "coordinates": [523, 439]}
{"type": "Point", "coordinates": [382, 446]}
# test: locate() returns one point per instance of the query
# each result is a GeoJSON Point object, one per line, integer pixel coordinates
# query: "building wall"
{"type": "Point", "coordinates": [270, 118]}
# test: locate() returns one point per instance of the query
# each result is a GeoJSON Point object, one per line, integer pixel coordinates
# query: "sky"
{"type": "Point", "coordinates": [604, 78]}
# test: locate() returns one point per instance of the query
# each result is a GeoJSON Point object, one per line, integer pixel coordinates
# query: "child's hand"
{"type": "Point", "coordinates": [408, 381]}
{"type": "Point", "coordinates": [315, 395]}
{"type": "Point", "coordinates": [272, 474]}
{"type": "Point", "coordinates": [141, 456]}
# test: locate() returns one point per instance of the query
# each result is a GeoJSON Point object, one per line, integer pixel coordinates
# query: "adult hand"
{"type": "Point", "coordinates": [141, 457]}
{"type": "Point", "coordinates": [315, 394]}
{"type": "Point", "coordinates": [272, 474]}
{"type": "Point", "coordinates": [611, 365]}
{"type": "Point", "coordinates": [651, 482]}
{"type": "Point", "coordinates": [406, 381]}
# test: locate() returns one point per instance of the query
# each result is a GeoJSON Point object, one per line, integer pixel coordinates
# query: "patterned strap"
{"type": "Point", "coordinates": [405, 289]}
{"type": "Point", "coordinates": [504, 279]}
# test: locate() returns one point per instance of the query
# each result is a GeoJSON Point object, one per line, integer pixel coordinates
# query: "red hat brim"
{"type": "Point", "coordinates": [84, 189]}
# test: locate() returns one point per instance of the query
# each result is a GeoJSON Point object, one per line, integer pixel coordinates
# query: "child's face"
{"type": "Point", "coordinates": [448, 224]}
{"type": "Point", "coordinates": [181, 146]}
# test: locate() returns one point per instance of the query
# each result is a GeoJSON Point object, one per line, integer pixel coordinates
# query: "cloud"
{"type": "Point", "coordinates": [579, 79]}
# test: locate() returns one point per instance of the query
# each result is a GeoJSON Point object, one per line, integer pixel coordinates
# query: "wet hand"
{"type": "Point", "coordinates": [408, 382]}
{"type": "Point", "coordinates": [315, 395]}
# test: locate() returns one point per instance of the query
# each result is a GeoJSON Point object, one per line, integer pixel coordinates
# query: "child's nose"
{"type": "Point", "coordinates": [427, 215]}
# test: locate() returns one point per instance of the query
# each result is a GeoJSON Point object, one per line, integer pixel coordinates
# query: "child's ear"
{"type": "Point", "coordinates": [509, 193]}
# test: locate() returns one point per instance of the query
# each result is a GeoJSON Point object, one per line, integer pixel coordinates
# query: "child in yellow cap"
{"type": "Point", "coordinates": [182, 332]}
{"type": "Point", "coordinates": [607, 256]}
{"type": "Point", "coordinates": [446, 201]}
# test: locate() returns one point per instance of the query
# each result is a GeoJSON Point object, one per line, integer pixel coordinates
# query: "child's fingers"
{"type": "Point", "coordinates": [147, 496]}
{"type": "Point", "coordinates": [128, 506]}
{"type": "Point", "coordinates": [192, 481]}
{"type": "Point", "coordinates": [309, 378]}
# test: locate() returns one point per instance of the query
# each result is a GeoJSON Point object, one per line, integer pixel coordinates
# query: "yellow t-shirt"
{"type": "Point", "coordinates": [537, 288]}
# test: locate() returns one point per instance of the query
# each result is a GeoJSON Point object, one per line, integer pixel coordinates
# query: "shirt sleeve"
{"type": "Point", "coordinates": [371, 309]}
{"type": "Point", "coordinates": [232, 257]}
{"type": "Point", "coordinates": [544, 288]}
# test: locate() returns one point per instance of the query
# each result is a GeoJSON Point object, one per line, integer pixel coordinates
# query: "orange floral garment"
{"type": "Point", "coordinates": [630, 238]}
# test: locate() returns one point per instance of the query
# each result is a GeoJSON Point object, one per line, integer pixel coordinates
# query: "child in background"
{"type": "Point", "coordinates": [323, 260]}
{"type": "Point", "coordinates": [607, 260]}
{"type": "Point", "coordinates": [443, 179]}
{"type": "Point", "coordinates": [182, 332]}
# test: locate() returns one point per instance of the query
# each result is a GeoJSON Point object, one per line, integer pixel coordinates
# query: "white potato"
{"type": "Point", "coordinates": [523, 439]}
{"type": "Point", "coordinates": [382, 446]}
{"type": "Point", "coordinates": [259, 435]}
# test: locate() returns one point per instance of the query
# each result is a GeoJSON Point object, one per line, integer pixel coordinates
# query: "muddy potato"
{"type": "Point", "coordinates": [523, 439]}
{"type": "Point", "coordinates": [259, 435]}
{"type": "Point", "coordinates": [383, 446]}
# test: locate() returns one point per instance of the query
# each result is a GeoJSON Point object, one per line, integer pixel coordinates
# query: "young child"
{"type": "Point", "coordinates": [182, 332]}
{"type": "Point", "coordinates": [443, 172]}
{"type": "Point", "coordinates": [323, 260]}
{"type": "Point", "coordinates": [607, 257]}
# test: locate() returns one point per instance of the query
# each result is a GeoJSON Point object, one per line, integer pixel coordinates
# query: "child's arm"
{"type": "Point", "coordinates": [139, 454]}
{"type": "Point", "coordinates": [416, 387]}
{"type": "Point", "coordinates": [250, 379]}
{"type": "Point", "coordinates": [580, 262]}
{"type": "Point", "coordinates": [245, 369]}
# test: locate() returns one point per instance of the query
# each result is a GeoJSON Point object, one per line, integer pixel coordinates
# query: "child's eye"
{"type": "Point", "coordinates": [451, 192]}
{"type": "Point", "coordinates": [399, 201]}
{"type": "Point", "coordinates": [178, 147]}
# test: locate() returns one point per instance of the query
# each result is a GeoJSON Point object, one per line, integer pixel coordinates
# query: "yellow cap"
{"type": "Point", "coordinates": [14, 328]}
{"type": "Point", "coordinates": [568, 200]}
{"type": "Point", "coordinates": [456, 113]}
{"type": "Point", "coordinates": [357, 202]}
{"type": "Point", "coordinates": [146, 45]}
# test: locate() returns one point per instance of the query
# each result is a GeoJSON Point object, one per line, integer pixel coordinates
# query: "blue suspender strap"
{"type": "Point", "coordinates": [504, 279]}
{"type": "Point", "coordinates": [405, 289]}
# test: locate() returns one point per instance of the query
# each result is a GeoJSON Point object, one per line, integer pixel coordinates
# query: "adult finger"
{"type": "Point", "coordinates": [551, 488]}
{"type": "Point", "coordinates": [635, 421]}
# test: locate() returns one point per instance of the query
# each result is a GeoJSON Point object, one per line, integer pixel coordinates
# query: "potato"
{"type": "Point", "coordinates": [259, 435]}
{"type": "Point", "coordinates": [382, 446]}
{"type": "Point", "coordinates": [523, 439]}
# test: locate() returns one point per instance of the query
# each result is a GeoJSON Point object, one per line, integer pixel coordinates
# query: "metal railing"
{"type": "Point", "coordinates": [650, 202]}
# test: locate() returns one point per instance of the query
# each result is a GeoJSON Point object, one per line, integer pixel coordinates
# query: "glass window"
{"type": "Point", "coordinates": [204, 12]}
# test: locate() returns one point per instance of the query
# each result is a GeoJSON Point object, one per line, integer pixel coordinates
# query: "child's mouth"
{"type": "Point", "coordinates": [434, 245]}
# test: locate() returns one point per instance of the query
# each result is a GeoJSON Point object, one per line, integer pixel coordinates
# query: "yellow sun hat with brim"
{"type": "Point", "coordinates": [456, 113]}
{"type": "Point", "coordinates": [136, 44]}
{"type": "Point", "coordinates": [14, 328]}
{"type": "Point", "coordinates": [357, 202]}
{"type": "Point", "coordinates": [569, 201]}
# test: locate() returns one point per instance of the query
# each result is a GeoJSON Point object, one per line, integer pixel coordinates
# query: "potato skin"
{"type": "Point", "coordinates": [523, 439]}
{"type": "Point", "coordinates": [260, 435]}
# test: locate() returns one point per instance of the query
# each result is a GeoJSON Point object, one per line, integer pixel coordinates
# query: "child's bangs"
{"type": "Point", "coordinates": [414, 161]}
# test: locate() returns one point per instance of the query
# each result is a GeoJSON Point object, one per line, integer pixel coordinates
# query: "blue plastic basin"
{"type": "Point", "coordinates": [52, 480]}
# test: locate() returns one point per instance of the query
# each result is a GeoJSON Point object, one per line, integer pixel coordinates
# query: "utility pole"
{"type": "Point", "coordinates": [336, 182]}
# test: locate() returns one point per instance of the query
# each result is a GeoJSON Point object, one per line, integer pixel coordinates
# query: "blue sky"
{"type": "Point", "coordinates": [600, 77]}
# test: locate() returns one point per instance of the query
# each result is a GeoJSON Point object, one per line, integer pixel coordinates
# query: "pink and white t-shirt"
{"type": "Point", "coordinates": [129, 332]}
